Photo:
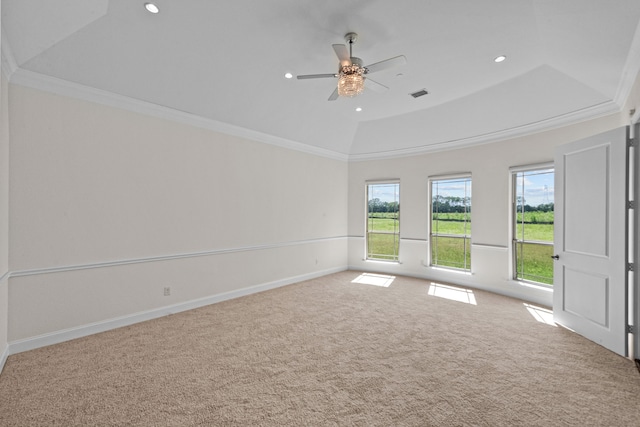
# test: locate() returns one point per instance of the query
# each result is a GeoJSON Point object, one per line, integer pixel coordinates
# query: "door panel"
{"type": "Point", "coordinates": [586, 174]}
{"type": "Point", "coordinates": [580, 290]}
{"type": "Point", "coordinates": [590, 237]}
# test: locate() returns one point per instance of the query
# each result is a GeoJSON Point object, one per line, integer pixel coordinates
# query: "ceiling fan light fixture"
{"type": "Point", "coordinates": [351, 81]}
{"type": "Point", "coordinates": [351, 72]}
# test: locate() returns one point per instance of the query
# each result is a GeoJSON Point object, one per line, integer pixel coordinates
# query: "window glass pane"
{"type": "Point", "coordinates": [451, 252]}
{"type": "Point", "coordinates": [533, 225]}
{"type": "Point", "coordinates": [383, 221]}
{"type": "Point", "coordinates": [451, 223]}
{"type": "Point", "coordinates": [383, 246]}
{"type": "Point", "coordinates": [534, 262]}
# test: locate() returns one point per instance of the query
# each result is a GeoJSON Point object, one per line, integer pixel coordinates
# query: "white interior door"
{"type": "Point", "coordinates": [590, 295]}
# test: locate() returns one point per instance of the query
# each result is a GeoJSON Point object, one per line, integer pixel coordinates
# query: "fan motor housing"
{"type": "Point", "coordinates": [356, 61]}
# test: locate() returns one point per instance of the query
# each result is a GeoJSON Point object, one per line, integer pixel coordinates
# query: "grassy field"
{"type": "Point", "coordinates": [536, 263]}
{"type": "Point", "coordinates": [536, 232]}
{"type": "Point", "coordinates": [535, 260]}
{"type": "Point", "coordinates": [535, 217]}
{"type": "Point", "coordinates": [451, 252]}
{"type": "Point", "coordinates": [383, 224]}
{"type": "Point", "coordinates": [383, 246]}
{"type": "Point", "coordinates": [451, 227]}
{"type": "Point", "coordinates": [383, 237]}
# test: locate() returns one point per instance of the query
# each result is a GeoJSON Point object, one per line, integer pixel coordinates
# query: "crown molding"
{"type": "Point", "coordinates": [630, 70]}
{"type": "Point", "coordinates": [593, 112]}
{"type": "Point", "coordinates": [8, 61]}
{"type": "Point", "coordinates": [63, 87]}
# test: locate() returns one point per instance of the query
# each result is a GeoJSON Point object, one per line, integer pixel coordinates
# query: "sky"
{"type": "Point", "coordinates": [538, 187]}
{"type": "Point", "coordinates": [384, 192]}
{"type": "Point", "coordinates": [453, 188]}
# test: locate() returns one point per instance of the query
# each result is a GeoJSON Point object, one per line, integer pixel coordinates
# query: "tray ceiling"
{"type": "Point", "coordinates": [225, 61]}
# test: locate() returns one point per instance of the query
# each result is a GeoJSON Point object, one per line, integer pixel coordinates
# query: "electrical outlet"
{"type": "Point", "coordinates": [167, 291]}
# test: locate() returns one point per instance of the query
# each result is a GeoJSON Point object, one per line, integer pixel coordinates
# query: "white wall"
{"type": "Point", "coordinates": [4, 219]}
{"type": "Point", "coordinates": [108, 207]}
{"type": "Point", "coordinates": [489, 165]}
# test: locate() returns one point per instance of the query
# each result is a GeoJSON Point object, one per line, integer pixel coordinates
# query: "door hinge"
{"type": "Point", "coordinates": [631, 204]}
{"type": "Point", "coordinates": [630, 329]}
{"type": "Point", "coordinates": [631, 142]}
{"type": "Point", "coordinates": [629, 266]}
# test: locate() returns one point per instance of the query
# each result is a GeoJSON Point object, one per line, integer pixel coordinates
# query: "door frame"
{"type": "Point", "coordinates": [633, 232]}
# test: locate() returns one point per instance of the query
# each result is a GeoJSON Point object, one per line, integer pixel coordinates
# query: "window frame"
{"type": "Point", "coordinates": [367, 257]}
{"type": "Point", "coordinates": [513, 239]}
{"type": "Point", "coordinates": [466, 237]}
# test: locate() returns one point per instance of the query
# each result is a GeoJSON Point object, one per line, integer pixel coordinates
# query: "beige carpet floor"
{"type": "Point", "coordinates": [328, 352]}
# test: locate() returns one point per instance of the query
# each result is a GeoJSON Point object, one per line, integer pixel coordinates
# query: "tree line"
{"type": "Point", "coordinates": [376, 205]}
{"type": "Point", "coordinates": [450, 204]}
{"type": "Point", "coordinates": [453, 204]}
{"type": "Point", "coordinates": [522, 206]}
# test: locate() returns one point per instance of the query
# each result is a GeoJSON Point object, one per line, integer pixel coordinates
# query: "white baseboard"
{"type": "Point", "coordinates": [3, 358]}
{"type": "Point", "coordinates": [118, 322]}
{"type": "Point", "coordinates": [5, 351]}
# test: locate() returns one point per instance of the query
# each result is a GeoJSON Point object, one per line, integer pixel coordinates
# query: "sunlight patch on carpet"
{"type": "Point", "coordinates": [542, 315]}
{"type": "Point", "coordinates": [374, 279]}
{"type": "Point", "coordinates": [452, 293]}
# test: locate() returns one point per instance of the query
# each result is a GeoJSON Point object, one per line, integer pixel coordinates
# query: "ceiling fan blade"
{"type": "Point", "coordinates": [343, 54]}
{"type": "Point", "coordinates": [387, 63]}
{"type": "Point", "coordinates": [374, 85]}
{"type": "Point", "coordinates": [315, 76]}
{"type": "Point", "coordinates": [334, 95]}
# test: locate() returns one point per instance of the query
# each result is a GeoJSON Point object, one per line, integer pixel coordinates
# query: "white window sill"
{"type": "Point", "coordinates": [449, 270]}
{"type": "Point", "coordinates": [541, 286]}
{"type": "Point", "coordinates": [381, 261]}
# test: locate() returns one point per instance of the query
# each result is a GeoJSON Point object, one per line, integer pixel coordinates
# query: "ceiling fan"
{"type": "Point", "coordinates": [352, 75]}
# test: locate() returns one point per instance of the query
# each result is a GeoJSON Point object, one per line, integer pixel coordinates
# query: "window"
{"type": "Point", "coordinates": [383, 221]}
{"type": "Point", "coordinates": [450, 234]}
{"type": "Point", "coordinates": [533, 224]}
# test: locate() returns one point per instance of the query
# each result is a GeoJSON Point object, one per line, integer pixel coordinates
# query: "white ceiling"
{"type": "Point", "coordinates": [225, 60]}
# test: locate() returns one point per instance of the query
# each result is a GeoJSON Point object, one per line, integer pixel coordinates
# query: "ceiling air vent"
{"type": "Point", "coordinates": [419, 93]}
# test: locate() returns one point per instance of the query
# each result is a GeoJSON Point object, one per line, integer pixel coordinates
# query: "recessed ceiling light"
{"type": "Point", "coordinates": [151, 7]}
{"type": "Point", "coordinates": [288, 75]}
{"type": "Point", "coordinates": [358, 109]}
{"type": "Point", "coordinates": [500, 58]}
